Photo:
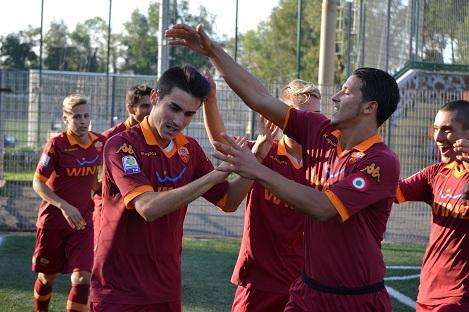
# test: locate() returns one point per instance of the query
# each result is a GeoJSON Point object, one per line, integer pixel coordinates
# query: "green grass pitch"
{"type": "Point", "coordinates": [207, 267]}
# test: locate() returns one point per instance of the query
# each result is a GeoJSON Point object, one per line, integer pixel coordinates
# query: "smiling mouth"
{"type": "Point", "coordinates": [445, 149]}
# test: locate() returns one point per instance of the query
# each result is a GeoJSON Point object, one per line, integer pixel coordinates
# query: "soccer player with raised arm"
{"type": "Point", "coordinates": [351, 178]}
{"type": "Point", "coordinates": [138, 106]}
{"type": "Point", "coordinates": [444, 279]}
{"type": "Point", "coordinates": [271, 256]}
{"type": "Point", "coordinates": [151, 173]}
{"type": "Point", "coordinates": [64, 179]}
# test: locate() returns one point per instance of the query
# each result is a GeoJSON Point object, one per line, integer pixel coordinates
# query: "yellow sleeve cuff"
{"type": "Point", "coordinates": [337, 203]}
{"type": "Point", "coordinates": [136, 192]}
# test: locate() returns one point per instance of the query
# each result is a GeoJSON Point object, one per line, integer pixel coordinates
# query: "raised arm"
{"type": "Point", "coordinates": [212, 118]}
{"type": "Point", "coordinates": [246, 86]}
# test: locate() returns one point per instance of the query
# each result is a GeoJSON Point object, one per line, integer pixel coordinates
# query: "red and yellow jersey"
{"type": "Point", "coordinates": [118, 128]}
{"type": "Point", "coordinates": [70, 170]}
{"type": "Point", "coordinates": [361, 184]}
{"type": "Point", "coordinates": [138, 262]}
{"type": "Point", "coordinates": [107, 134]}
{"type": "Point", "coordinates": [272, 254]}
{"type": "Point", "coordinates": [445, 266]}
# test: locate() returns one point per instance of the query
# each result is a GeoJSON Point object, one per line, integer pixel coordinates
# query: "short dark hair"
{"type": "Point", "coordinates": [461, 107]}
{"type": "Point", "coordinates": [135, 93]}
{"type": "Point", "coordinates": [186, 78]}
{"type": "Point", "coordinates": [379, 86]}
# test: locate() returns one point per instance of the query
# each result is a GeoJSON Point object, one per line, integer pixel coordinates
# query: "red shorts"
{"type": "Point", "coordinates": [459, 305]}
{"type": "Point", "coordinates": [305, 299]}
{"type": "Point", "coordinates": [63, 250]}
{"type": "Point", "coordinates": [173, 306]}
{"type": "Point", "coordinates": [252, 300]}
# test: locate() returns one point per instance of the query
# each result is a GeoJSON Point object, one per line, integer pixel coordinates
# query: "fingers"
{"type": "Point", "coordinates": [181, 42]}
{"type": "Point", "coordinates": [241, 141]}
{"type": "Point", "coordinates": [178, 28]}
{"type": "Point", "coordinates": [231, 141]}
{"type": "Point", "coordinates": [222, 156]}
{"type": "Point", "coordinates": [461, 146]}
{"type": "Point", "coordinates": [225, 149]}
{"type": "Point", "coordinates": [200, 30]}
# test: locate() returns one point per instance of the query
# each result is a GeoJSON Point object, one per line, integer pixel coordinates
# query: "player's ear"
{"type": "Point", "coordinates": [370, 107]}
{"type": "Point", "coordinates": [154, 97]}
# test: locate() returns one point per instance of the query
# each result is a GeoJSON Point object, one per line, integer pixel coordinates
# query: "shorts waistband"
{"type": "Point", "coordinates": [369, 289]}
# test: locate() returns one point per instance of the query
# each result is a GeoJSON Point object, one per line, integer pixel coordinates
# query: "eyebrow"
{"type": "Point", "coordinates": [178, 106]}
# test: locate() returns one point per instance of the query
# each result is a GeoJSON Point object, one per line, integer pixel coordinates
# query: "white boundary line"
{"type": "Point", "coordinates": [401, 297]}
{"type": "Point", "coordinates": [403, 267]}
{"type": "Point", "coordinates": [401, 278]}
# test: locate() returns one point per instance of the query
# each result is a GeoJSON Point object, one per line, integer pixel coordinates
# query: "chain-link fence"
{"type": "Point", "coordinates": [29, 118]}
{"type": "Point", "coordinates": [387, 34]}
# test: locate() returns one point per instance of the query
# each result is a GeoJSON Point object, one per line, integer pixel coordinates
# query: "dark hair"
{"type": "Point", "coordinates": [135, 93]}
{"type": "Point", "coordinates": [379, 86]}
{"type": "Point", "coordinates": [186, 78]}
{"type": "Point", "coordinates": [461, 107]}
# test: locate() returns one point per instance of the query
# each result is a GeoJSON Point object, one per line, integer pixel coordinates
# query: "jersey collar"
{"type": "Point", "coordinates": [455, 169]}
{"type": "Point", "coordinates": [73, 140]}
{"type": "Point", "coordinates": [150, 138]}
{"type": "Point", "coordinates": [361, 147]}
{"type": "Point", "coordinates": [128, 122]}
{"type": "Point", "coordinates": [282, 150]}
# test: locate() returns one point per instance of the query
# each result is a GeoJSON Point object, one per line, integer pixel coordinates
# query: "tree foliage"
{"type": "Point", "coordinates": [270, 50]}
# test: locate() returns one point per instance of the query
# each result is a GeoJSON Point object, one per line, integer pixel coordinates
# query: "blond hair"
{"type": "Point", "coordinates": [297, 87]}
{"type": "Point", "coordinates": [71, 101]}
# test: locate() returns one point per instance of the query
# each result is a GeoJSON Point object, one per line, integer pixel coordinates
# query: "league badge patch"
{"type": "Point", "coordinates": [44, 161]}
{"type": "Point", "coordinates": [359, 183]}
{"type": "Point", "coordinates": [130, 165]}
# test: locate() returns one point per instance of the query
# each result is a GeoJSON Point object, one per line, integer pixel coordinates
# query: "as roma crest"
{"type": "Point", "coordinates": [99, 146]}
{"type": "Point", "coordinates": [184, 154]}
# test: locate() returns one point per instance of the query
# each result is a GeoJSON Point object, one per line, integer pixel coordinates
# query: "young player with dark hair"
{"type": "Point", "coordinates": [151, 173]}
{"type": "Point", "coordinates": [138, 105]}
{"type": "Point", "coordinates": [354, 173]}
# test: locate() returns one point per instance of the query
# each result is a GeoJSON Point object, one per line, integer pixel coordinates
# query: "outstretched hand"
{"type": "Point", "coordinates": [236, 158]}
{"type": "Point", "coordinates": [267, 133]}
{"type": "Point", "coordinates": [194, 38]}
{"type": "Point", "coordinates": [462, 148]}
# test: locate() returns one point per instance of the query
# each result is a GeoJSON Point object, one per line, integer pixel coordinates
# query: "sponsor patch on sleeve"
{"type": "Point", "coordinates": [44, 160]}
{"type": "Point", "coordinates": [373, 171]}
{"type": "Point", "coordinates": [130, 164]}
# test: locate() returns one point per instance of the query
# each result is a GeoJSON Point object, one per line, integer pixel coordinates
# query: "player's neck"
{"type": "Point", "coordinates": [353, 136]}
{"type": "Point", "coordinates": [163, 143]}
{"type": "Point", "coordinates": [82, 139]}
{"type": "Point", "coordinates": [293, 148]}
